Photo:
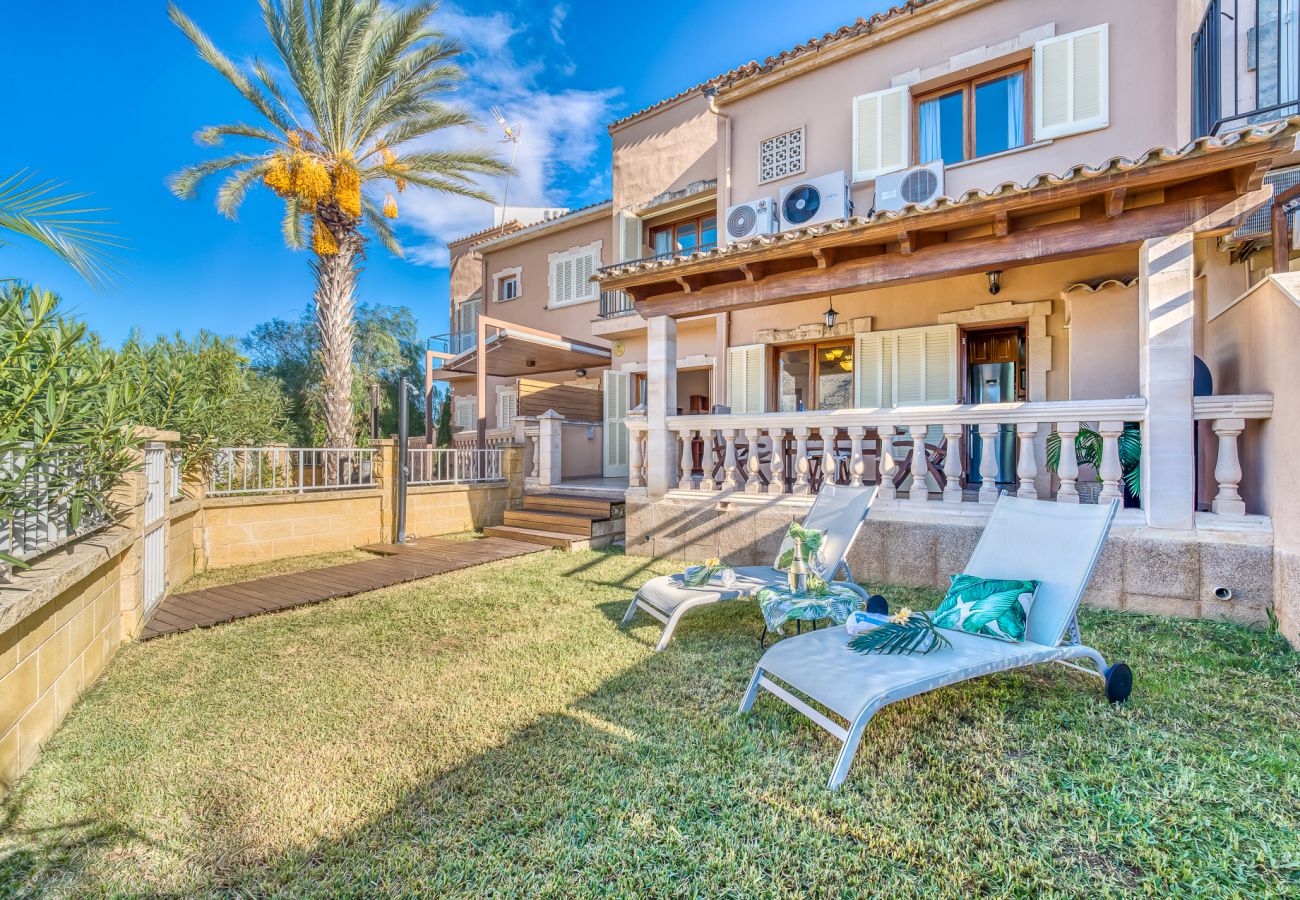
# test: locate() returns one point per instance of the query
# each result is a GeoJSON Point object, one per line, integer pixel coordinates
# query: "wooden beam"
{"type": "Point", "coordinates": [905, 239]}
{"type": "Point", "coordinates": [753, 271]}
{"type": "Point", "coordinates": [825, 257]}
{"type": "Point", "coordinates": [1028, 246]}
{"type": "Point", "coordinates": [1115, 201]}
{"type": "Point", "coordinates": [684, 282]}
{"type": "Point", "coordinates": [1250, 177]}
{"type": "Point", "coordinates": [1001, 224]}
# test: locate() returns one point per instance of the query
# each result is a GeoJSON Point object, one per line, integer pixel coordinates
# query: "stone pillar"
{"type": "Point", "coordinates": [386, 463]}
{"type": "Point", "coordinates": [661, 403]}
{"type": "Point", "coordinates": [1166, 307]}
{"type": "Point", "coordinates": [512, 469]}
{"type": "Point", "coordinates": [549, 448]}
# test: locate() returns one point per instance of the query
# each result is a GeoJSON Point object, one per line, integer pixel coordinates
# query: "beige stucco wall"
{"type": "Point", "coordinates": [1144, 95]}
{"type": "Point", "coordinates": [666, 151]}
{"type": "Point", "coordinates": [241, 530]}
{"type": "Point", "coordinates": [1103, 341]}
{"type": "Point", "coordinates": [444, 509]}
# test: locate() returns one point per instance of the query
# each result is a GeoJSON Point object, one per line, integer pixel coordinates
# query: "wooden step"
{"type": "Point", "coordinates": [564, 522]}
{"type": "Point", "coordinates": [538, 536]}
{"type": "Point", "coordinates": [592, 506]}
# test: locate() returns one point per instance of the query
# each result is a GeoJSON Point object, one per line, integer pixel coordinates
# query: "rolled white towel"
{"type": "Point", "coordinates": [860, 621]}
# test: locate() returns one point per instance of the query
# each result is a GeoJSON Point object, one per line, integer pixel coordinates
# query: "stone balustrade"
{"type": "Point", "coordinates": [1227, 415]}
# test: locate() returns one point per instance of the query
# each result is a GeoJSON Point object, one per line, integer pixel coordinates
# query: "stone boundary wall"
{"type": "Point", "coordinates": [63, 618]}
{"type": "Point", "coordinates": [1141, 569]}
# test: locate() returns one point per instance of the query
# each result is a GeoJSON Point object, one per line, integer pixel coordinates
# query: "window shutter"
{"type": "Point", "coordinates": [941, 364]}
{"type": "Point", "coordinates": [629, 237]}
{"type": "Point", "coordinates": [466, 412]}
{"type": "Point", "coordinates": [617, 393]}
{"type": "Point", "coordinates": [906, 367]}
{"type": "Point", "coordinates": [910, 366]}
{"type": "Point", "coordinates": [584, 267]}
{"type": "Point", "coordinates": [1072, 83]}
{"type": "Point", "coordinates": [507, 408]}
{"type": "Point", "coordinates": [873, 364]}
{"type": "Point", "coordinates": [881, 132]}
{"type": "Point", "coordinates": [746, 384]}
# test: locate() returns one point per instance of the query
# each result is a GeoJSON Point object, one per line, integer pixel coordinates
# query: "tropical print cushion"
{"type": "Point", "coordinates": [811, 540]}
{"type": "Point", "coordinates": [992, 607]}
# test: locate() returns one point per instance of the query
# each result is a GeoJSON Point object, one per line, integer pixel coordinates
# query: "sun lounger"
{"type": "Point", "coordinates": [839, 511]}
{"type": "Point", "coordinates": [1056, 544]}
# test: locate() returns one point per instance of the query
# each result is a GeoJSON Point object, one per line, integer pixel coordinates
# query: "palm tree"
{"type": "Point", "coordinates": [37, 210]}
{"type": "Point", "coordinates": [352, 120]}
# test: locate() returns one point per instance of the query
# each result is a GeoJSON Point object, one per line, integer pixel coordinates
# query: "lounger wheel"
{"type": "Point", "coordinates": [1119, 682]}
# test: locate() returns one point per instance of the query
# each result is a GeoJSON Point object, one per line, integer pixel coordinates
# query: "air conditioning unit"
{"type": "Point", "coordinates": [1260, 223]}
{"type": "Point", "coordinates": [816, 200]}
{"type": "Point", "coordinates": [921, 184]}
{"type": "Point", "coordinates": [747, 220]}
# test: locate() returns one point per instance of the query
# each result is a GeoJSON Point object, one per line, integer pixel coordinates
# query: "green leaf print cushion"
{"type": "Point", "coordinates": [810, 538]}
{"type": "Point", "coordinates": [992, 607]}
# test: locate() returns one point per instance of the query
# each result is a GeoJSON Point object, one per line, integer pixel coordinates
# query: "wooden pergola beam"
{"type": "Point", "coordinates": [1083, 236]}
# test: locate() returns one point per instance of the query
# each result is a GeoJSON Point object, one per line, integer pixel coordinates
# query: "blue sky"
{"type": "Point", "coordinates": [107, 97]}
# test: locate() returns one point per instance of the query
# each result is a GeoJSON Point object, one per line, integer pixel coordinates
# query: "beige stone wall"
{"type": "Point", "coordinates": [437, 509]}
{"type": "Point", "coordinates": [183, 540]}
{"type": "Point", "coordinates": [240, 530]}
{"type": "Point", "coordinates": [60, 623]}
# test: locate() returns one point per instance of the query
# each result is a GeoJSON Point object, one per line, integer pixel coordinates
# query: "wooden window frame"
{"type": "Point", "coordinates": [967, 83]}
{"type": "Point", "coordinates": [671, 227]}
{"type": "Point", "coordinates": [814, 347]}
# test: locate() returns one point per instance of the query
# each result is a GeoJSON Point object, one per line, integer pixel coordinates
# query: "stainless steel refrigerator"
{"type": "Point", "coordinates": [993, 383]}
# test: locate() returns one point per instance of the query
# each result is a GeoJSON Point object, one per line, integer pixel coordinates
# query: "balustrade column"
{"type": "Point", "coordinates": [777, 483]}
{"type": "Point", "coordinates": [535, 441]}
{"type": "Point", "coordinates": [857, 462]}
{"type": "Point", "coordinates": [1027, 464]}
{"type": "Point", "coordinates": [707, 461]}
{"type": "Point", "coordinates": [920, 468]}
{"type": "Point", "coordinates": [952, 464]}
{"type": "Point", "coordinates": [801, 485]}
{"type": "Point", "coordinates": [989, 462]}
{"type": "Point", "coordinates": [830, 460]}
{"type": "Point", "coordinates": [753, 465]}
{"type": "Point", "coordinates": [635, 478]}
{"type": "Point", "coordinates": [729, 467]}
{"type": "Point", "coordinates": [1227, 469]}
{"type": "Point", "coordinates": [687, 483]}
{"type": "Point", "coordinates": [1110, 469]}
{"type": "Point", "coordinates": [888, 465]}
{"type": "Point", "coordinates": [1067, 469]}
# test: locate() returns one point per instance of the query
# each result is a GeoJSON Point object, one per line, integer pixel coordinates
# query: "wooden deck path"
{"type": "Point", "coordinates": [398, 563]}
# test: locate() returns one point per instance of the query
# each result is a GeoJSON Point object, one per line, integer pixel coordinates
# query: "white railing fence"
{"type": "Point", "coordinates": [42, 512]}
{"type": "Point", "coordinates": [268, 470]}
{"type": "Point", "coordinates": [454, 465]}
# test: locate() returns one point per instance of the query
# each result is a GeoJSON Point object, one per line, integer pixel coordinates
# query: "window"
{"type": "Point", "coordinates": [506, 284]}
{"type": "Point", "coordinates": [814, 376]}
{"type": "Point", "coordinates": [570, 275]}
{"type": "Point", "coordinates": [507, 407]}
{"type": "Point", "coordinates": [780, 156]}
{"type": "Point", "coordinates": [685, 236]}
{"type": "Point", "coordinates": [974, 118]}
{"type": "Point", "coordinates": [466, 413]}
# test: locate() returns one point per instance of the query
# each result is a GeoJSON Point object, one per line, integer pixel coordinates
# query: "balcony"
{"type": "Point", "coordinates": [1245, 64]}
{"type": "Point", "coordinates": [455, 343]}
{"type": "Point", "coordinates": [671, 254]}
{"type": "Point", "coordinates": [614, 304]}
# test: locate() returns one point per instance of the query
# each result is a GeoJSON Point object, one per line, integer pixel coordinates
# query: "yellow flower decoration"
{"type": "Point", "coordinates": [713, 562]}
{"type": "Point", "coordinates": [390, 206]}
{"type": "Point", "coordinates": [901, 617]}
{"type": "Point", "coordinates": [322, 239]}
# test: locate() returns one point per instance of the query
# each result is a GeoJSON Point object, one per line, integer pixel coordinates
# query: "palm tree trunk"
{"type": "Point", "coordinates": [336, 278]}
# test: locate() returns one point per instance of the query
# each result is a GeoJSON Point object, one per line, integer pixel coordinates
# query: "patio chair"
{"type": "Point", "coordinates": [838, 510]}
{"type": "Point", "coordinates": [1056, 544]}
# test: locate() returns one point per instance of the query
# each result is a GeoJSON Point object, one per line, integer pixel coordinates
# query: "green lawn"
{"type": "Point", "coordinates": [494, 732]}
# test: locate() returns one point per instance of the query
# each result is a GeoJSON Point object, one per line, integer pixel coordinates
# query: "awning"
{"type": "Point", "coordinates": [510, 354]}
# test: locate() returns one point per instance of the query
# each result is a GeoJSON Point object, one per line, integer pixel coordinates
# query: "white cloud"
{"type": "Point", "coordinates": [560, 157]}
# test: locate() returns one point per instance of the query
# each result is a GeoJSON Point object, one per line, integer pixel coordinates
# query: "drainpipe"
{"type": "Point", "coordinates": [711, 94]}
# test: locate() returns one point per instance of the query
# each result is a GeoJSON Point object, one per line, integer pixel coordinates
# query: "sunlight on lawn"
{"type": "Point", "coordinates": [493, 730]}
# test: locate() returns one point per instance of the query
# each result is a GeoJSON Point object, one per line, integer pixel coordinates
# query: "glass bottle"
{"type": "Point", "coordinates": [798, 571]}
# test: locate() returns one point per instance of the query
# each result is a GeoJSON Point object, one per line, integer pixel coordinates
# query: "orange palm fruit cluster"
{"type": "Point", "coordinates": [322, 239]}
{"type": "Point", "coordinates": [347, 188]}
{"type": "Point", "coordinates": [390, 206]}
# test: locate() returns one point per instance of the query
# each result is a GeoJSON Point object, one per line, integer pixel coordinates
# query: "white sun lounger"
{"type": "Point", "coordinates": [839, 511]}
{"type": "Point", "coordinates": [1056, 544]}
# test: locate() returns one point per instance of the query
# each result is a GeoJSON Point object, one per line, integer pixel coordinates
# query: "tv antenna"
{"type": "Point", "coordinates": [511, 133]}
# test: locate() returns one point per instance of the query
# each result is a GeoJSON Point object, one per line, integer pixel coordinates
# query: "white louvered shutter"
{"type": "Point", "coordinates": [507, 408]}
{"type": "Point", "coordinates": [906, 367]}
{"type": "Point", "coordinates": [584, 266]}
{"type": "Point", "coordinates": [629, 237]}
{"type": "Point", "coordinates": [909, 367]}
{"type": "Point", "coordinates": [941, 364]}
{"type": "Point", "coordinates": [1072, 83]}
{"type": "Point", "coordinates": [617, 392]}
{"type": "Point", "coordinates": [873, 366]}
{"type": "Point", "coordinates": [881, 132]}
{"type": "Point", "coordinates": [746, 381]}
{"type": "Point", "coordinates": [561, 281]}
{"type": "Point", "coordinates": [466, 413]}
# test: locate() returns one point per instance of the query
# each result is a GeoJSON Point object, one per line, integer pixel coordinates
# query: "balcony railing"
{"type": "Point", "coordinates": [1245, 64]}
{"type": "Point", "coordinates": [455, 342]}
{"type": "Point", "coordinates": [614, 304]}
{"type": "Point", "coordinates": [671, 254]}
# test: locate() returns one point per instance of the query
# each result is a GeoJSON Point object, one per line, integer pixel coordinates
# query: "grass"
{"type": "Point", "coordinates": [495, 732]}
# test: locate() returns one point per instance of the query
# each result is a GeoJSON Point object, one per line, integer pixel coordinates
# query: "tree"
{"type": "Point", "coordinates": [35, 210]}
{"type": "Point", "coordinates": [387, 346]}
{"type": "Point", "coordinates": [360, 103]}
{"type": "Point", "coordinates": [444, 423]}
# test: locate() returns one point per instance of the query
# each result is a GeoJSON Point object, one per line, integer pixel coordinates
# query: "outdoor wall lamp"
{"type": "Point", "coordinates": [995, 281]}
{"type": "Point", "coordinates": [830, 315]}
{"type": "Point", "coordinates": [581, 373]}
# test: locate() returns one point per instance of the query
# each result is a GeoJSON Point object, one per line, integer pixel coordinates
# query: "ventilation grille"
{"type": "Point", "coordinates": [780, 156]}
{"type": "Point", "coordinates": [1261, 220]}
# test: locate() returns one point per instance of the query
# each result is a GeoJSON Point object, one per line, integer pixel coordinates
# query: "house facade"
{"type": "Point", "coordinates": [961, 247]}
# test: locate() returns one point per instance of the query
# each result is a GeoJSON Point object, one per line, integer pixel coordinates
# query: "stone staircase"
{"type": "Point", "coordinates": [567, 521]}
